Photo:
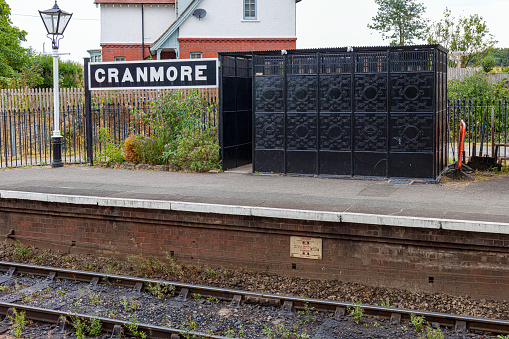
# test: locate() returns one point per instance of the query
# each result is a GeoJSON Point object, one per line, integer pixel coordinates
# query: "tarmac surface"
{"type": "Point", "coordinates": [484, 201]}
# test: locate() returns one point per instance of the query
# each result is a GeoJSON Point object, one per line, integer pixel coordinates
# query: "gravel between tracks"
{"type": "Point", "coordinates": [255, 317]}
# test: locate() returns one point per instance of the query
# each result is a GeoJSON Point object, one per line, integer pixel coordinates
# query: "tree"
{"type": "Point", "coordinates": [465, 34]}
{"type": "Point", "coordinates": [12, 55]}
{"type": "Point", "coordinates": [399, 20]}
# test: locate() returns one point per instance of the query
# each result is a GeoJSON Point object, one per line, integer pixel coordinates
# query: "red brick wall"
{"type": "Point", "coordinates": [461, 263]}
{"type": "Point", "coordinates": [210, 47]}
{"type": "Point", "coordinates": [130, 52]}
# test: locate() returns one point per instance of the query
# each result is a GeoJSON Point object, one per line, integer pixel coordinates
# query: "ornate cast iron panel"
{"type": "Point", "coordinates": [370, 133]}
{"type": "Point", "coordinates": [335, 93]}
{"type": "Point", "coordinates": [411, 133]}
{"type": "Point", "coordinates": [302, 93]}
{"type": "Point", "coordinates": [371, 93]}
{"type": "Point", "coordinates": [335, 132]}
{"type": "Point", "coordinates": [301, 133]}
{"type": "Point", "coordinates": [269, 94]}
{"type": "Point", "coordinates": [412, 92]}
{"type": "Point", "coordinates": [269, 131]}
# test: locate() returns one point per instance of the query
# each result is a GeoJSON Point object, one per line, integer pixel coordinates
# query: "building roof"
{"type": "Point", "coordinates": [134, 1]}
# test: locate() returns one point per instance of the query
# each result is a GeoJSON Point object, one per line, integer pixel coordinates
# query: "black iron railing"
{"type": "Point", "coordinates": [25, 135]}
{"type": "Point", "coordinates": [486, 127]}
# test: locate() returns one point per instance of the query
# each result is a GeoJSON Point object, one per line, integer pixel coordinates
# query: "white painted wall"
{"type": "Point", "coordinates": [225, 19]}
{"type": "Point", "coordinates": [121, 24]}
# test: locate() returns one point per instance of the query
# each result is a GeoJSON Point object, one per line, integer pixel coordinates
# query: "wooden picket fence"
{"type": "Point", "coordinates": [36, 98]}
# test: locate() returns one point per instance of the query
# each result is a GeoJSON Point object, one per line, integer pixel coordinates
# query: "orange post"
{"type": "Point", "coordinates": [461, 146]}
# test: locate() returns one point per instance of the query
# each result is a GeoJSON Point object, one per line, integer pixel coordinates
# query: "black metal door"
{"type": "Point", "coordinates": [236, 110]}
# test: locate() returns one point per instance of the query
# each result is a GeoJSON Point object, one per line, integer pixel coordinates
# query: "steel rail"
{"type": "Point", "coordinates": [108, 325]}
{"type": "Point", "coordinates": [459, 322]}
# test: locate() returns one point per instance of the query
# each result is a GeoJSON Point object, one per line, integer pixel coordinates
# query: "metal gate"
{"type": "Point", "coordinates": [236, 107]}
{"type": "Point", "coordinates": [369, 112]}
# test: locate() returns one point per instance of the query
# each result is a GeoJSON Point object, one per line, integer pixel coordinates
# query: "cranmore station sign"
{"type": "Point", "coordinates": [193, 73]}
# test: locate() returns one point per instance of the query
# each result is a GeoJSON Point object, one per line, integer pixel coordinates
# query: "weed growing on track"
{"type": "Point", "coordinates": [18, 323]}
{"type": "Point", "coordinates": [196, 296]}
{"type": "Point", "coordinates": [188, 329]}
{"type": "Point", "coordinates": [94, 298]}
{"type": "Point", "coordinates": [130, 305]}
{"type": "Point", "coordinates": [432, 333]}
{"type": "Point", "coordinates": [416, 322]}
{"type": "Point", "coordinates": [356, 312]}
{"type": "Point", "coordinates": [283, 332]}
{"type": "Point", "coordinates": [22, 252]}
{"type": "Point", "coordinates": [132, 325]}
{"type": "Point", "coordinates": [161, 290]}
{"type": "Point", "coordinates": [501, 336]}
{"type": "Point", "coordinates": [95, 327]}
{"type": "Point", "coordinates": [213, 300]}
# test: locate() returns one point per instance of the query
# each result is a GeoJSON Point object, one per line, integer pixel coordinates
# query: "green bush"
{"type": "Point", "coordinates": [488, 63]}
{"type": "Point", "coordinates": [178, 133]}
{"type": "Point", "coordinates": [477, 87]}
{"type": "Point", "coordinates": [112, 150]}
{"type": "Point", "coordinates": [198, 151]}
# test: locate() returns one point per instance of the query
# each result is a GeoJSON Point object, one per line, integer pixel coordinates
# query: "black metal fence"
{"type": "Point", "coordinates": [486, 127]}
{"type": "Point", "coordinates": [25, 135]}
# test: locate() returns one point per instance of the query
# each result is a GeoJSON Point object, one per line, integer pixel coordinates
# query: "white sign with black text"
{"type": "Point", "coordinates": [191, 73]}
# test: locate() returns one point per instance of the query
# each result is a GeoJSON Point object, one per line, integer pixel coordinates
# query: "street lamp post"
{"type": "Point", "coordinates": [55, 20]}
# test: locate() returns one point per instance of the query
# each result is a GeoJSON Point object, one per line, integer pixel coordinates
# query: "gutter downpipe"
{"type": "Point", "coordinates": [143, 31]}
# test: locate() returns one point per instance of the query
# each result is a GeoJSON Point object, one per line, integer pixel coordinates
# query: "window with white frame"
{"type": "Point", "coordinates": [96, 58]}
{"type": "Point", "coordinates": [196, 55]}
{"type": "Point", "coordinates": [249, 9]}
{"type": "Point", "coordinates": [119, 58]}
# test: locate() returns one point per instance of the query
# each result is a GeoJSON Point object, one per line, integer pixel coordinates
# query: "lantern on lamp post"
{"type": "Point", "coordinates": [55, 20]}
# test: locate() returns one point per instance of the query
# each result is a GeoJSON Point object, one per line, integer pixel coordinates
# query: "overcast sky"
{"type": "Point", "coordinates": [320, 23]}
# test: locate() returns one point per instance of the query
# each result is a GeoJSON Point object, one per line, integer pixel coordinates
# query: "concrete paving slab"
{"type": "Point", "coordinates": [480, 201]}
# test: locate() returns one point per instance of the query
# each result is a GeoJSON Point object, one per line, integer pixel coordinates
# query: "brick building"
{"type": "Point", "coordinates": [169, 29]}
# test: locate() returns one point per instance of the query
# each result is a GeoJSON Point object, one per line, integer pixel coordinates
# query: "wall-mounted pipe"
{"type": "Point", "coordinates": [142, 32]}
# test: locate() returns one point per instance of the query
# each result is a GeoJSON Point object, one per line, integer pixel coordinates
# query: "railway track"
{"type": "Point", "coordinates": [286, 305]}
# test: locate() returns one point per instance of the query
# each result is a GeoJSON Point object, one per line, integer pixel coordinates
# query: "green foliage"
{"type": "Point", "coordinates": [399, 20]}
{"type": "Point", "coordinates": [432, 333]}
{"type": "Point", "coordinates": [284, 332]}
{"type": "Point", "coordinates": [416, 322]}
{"type": "Point", "coordinates": [18, 323]}
{"type": "Point", "coordinates": [198, 151]}
{"type": "Point", "coordinates": [37, 72]}
{"type": "Point", "coordinates": [213, 300]}
{"type": "Point", "coordinates": [466, 34]}
{"type": "Point", "coordinates": [70, 73]}
{"type": "Point", "coordinates": [95, 327]}
{"type": "Point", "coordinates": [174, 115]}
{"type": "Point", "coordinates": [160, 291]}
{"type": "Point", "coordinates": [12, 55]}
{"type": "Point", "coordinates": [488, 63]}
{"type": "Point", "coordinates": [22, 252]}
{"type": "Point", "coordinates": [130, 305]}
{"type": "Point", "coordinates": [477, 87]}
{"type": "Point", "coordinates": [179, 134]}
{"type": "Point", "coordinates": [112, 149]}
{"type": "Point", "coordinates": [501, 56]}
{"type": "Point", "coordinates": [356, 312]}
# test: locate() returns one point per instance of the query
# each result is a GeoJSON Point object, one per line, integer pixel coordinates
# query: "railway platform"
{"type": "Point", "coordinates": [451, 238]}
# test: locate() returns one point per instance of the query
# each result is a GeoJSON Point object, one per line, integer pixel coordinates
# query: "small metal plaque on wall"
{"type": "Point", "coordinates": [304, 247]}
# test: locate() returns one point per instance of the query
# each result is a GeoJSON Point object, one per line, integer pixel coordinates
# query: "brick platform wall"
{"type": "Point", "coordinates": [460, 263]}
{"type": "Point", "coordinates": [210, 47]}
